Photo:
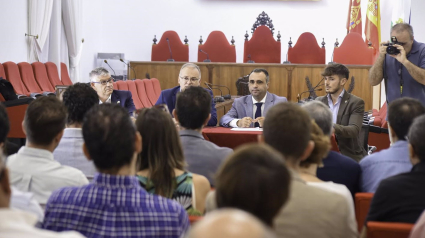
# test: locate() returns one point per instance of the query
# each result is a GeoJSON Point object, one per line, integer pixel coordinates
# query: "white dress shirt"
{"type": "Point", "coordinates": [107, 100]}
{"type": "Point", "coordinates": [335, 107]}
{"type": "Point", "coordinates": [35, 170]}
{"type": "Point", "coordinates": [17, 224]}
{"type": "Point", "coordinates": [25, 202]}
{"type": "Point", "coordinates": [234, 122]}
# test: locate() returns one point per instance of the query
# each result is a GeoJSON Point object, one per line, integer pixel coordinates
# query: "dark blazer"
{"type": "Point", "coordinates": [125, 99]}
{"type": "Point", "coordinates": [169, 96]}
{"type": "Point", "coordinates": [348, 125]}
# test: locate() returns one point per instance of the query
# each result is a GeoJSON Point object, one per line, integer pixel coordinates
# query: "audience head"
{"type": "Point", "coordinates": [258, 83]}
{"type": "Point", "coordinates": [44, 121]}
{"type": "Point", "coordinates": [4, 125]}
{"type": "Point", "coordinates": [102, 82]}
{"type": "Point", "coordinates": [336, 76]}
{"type": "Point", "coordinates": [161, 150]}
{"type": "Point", "coordinates": [230, 223]}
{"type": "Point", "coordinates": [190, 75]}
{"type": "Point", "coordinates": [110, 138]}
{"type": "Point", "coordinates": [416, 140]}
{"type": "Point", "coordinates": [193, 108]}
{"type": "Point", "coordinates": [241, 181]}
{"type": "Point", "coordinates": [321, 114]}
{"type": "Point", "coordinates": [401, 113]}
{"type": "Point", "coordinates": [322, 145]}
{"type": "Point", "coordinates": [78, 99]}
{"type": "Point", "coordinates": [287, 128]}
{"type": "Point", "coordinates": [5, 191]}
{"type": "Point", "coordinates": [404, 34]}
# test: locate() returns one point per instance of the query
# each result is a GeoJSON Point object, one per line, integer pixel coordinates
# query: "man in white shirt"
{"type": "Point", "coordinates": [33, 168]}
{"type": "Point", "coordinates": [250, 110]}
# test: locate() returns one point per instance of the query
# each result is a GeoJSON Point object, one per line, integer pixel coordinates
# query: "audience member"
{"type": "Point", "coordinates": [193, 113]}
{"type": "Point", "coordinates": [190, 75]}
{"type": "Point", "coordinates": [162, 165]}
{"type": "Point", "coordinates": [252, 108]}
{"type": "Point", "coordinates": [114, 204]}
{"type": "Point", "coordinates": [347, 111]}
{"type": "Point", "coordinates": [78, 99]}
{"type": "Point", "coordinates": [33, 168]}
{"type": "Point", "coordinates": [287, 128]}
{"type": "Point", "coordinates": [401, 198]}
{"type": "Point", "coordinates": [230, 223]}
{"type": "Point", "coordinates": [394, 160]}
{"type": "Point", "coordinates": [336, 167]}
{"type": "Point", "coordinates": [102, 82]}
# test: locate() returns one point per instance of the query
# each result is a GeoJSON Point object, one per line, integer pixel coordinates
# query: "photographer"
{"type": "Point", "coordinates": [402, 64]}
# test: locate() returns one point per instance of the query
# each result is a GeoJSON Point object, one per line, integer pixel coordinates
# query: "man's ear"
{"type": "Point", "coordinates": [207, 120]}
{"type": "Point", "coordinates": [412, 155]}
{"type": "Point", "coordinates": [175, 115]}
{"type": "Point", "coordinates": [308, 150]}
{"type": "Point", "coordinates": [23, 128]}
{"type": "Point", "coordinates": [58, 137]}
{"type": "Point", "coordinates": [86, 152]}
{"type": "Point", "coordinates": [138, 143]}
{"type": "Point", "coordinates": [343, 81]}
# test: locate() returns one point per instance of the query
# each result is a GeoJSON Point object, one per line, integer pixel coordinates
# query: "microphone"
{"type": "Point", "coordinates": [110, 66]}
{"type": "Point", "coordinates": [335, 46]}
{"type": "Point", "coordinates": [148, 76]}
{"type": "Point", "coordinates": [250, 60]}
{"type": "Point", "coordinates": [217, 98]}
{"type": "Point", "coordinates": [171, 54]}
{"type": "Point", "coordinates": [130, 68]}
{"type": "Point", "coordinates": [289, 46]}
{"type": "Point", "coordinates": [308, 91]}
{"type": "Point", "coordinates": [208, 57]}
{"type": "Point", "coordinates": [228, 96]}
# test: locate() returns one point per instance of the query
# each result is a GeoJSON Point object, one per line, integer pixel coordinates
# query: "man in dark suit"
{"type": "Point", "coordinates": [102, 82]}
{"type": "Point", "coordinates": [190, 75]}
{"type": "Point", "coordinates": [347, 111]}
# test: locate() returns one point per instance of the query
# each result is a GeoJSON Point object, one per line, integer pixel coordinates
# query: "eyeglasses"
{"type": "Point", "coordinates": [193, 79]}
{"type": "Point", "coordinates": [105, 82]}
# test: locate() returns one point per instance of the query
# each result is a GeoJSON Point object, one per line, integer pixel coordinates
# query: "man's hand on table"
{"type": "Point", "coordinates": [260, 120]}
{"type": "Point", "coordinates": [245, 122]}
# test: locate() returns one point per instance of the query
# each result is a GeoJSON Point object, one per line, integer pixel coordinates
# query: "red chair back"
{"type": "Point", "coordinates": [307, 51]}
{"type": "Point", "coordinates": [218, 49]}
{"type": "Point", "coordinates": [2, 73]}
{"type": "Point", "coordinates": [161, 52]}
{"type": "Point", "coordinates": [262, 47]}
{"type": "Point", "coordinates": [388, 229]}
{"type": "Point", "coordinates": [52, 73]}
{"type": "Point", "coordinates": [132, 88]}
{"type": "Point", "coordinates": [41, 77]}
{"type": "Point", "coordinates": [14, 77]}
{"type": "Point", "coordinates": [115, 85]}
{"type": "Point", "coordinates": [28, 78]}
{"type": "Point", "coordinates": [66, 80]}
{"type": "Point", "coordinates": [150, 91]}
{"type": "Point", "coordinates": [156, 86]}
{"type": "Point", "coordinates": [334, 144]}
{"type": "Point", "coordinates": [362, 203]}
{"type": "Point", "coordinates": [354, 50]}
{"type": "Point", "coordinates": [122, 85]}
{"type": "Point", "coordinates": [141, 89]}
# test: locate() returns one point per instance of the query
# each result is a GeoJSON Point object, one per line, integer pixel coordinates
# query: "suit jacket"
{"type": "Point", "coordinates": [242, 107]}
{"type": "Point", "coordinates": [348, 125]}
{"type": "Point", "coordinates": [169, 97]}
{"type": "Point", "coordinates": [125, 99]}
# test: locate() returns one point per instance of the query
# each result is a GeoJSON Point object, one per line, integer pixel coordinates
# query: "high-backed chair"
{"type": "Point", "coordinates": [115, 85]}
{"type": "Point", "coordinates": [156, 86]}
{"type": "Point", "coordinates": [66, 80]}
{"type": "Point", "coordinates": [28, 78]}
{"type": "Point", "coordinates": [41, 77]}
{"type": "Point", "coordinates": [122, 85]}
{"type": "Point", "coordinates": [140, 85]}
{"type": "Point", "coordinates": [307, 51]}
{"type": "Point", "coordinates": [362, 204]}
{"type": "Point", "coordinates": [262, 47]}
{"type": "Point", "coordinates": [388, 229]}
{"type": "Point", "coordinates": [132, 88]}
{"type": "Point", "coordinates": [52, 73]}
{"type": "Point", "coordinates": [2, 73]}
{"type": "Point", "coordinates": [150, 91]}
{"type": "Point", "coordinates": [353, 50]}
{"type": "Point", "coordinates": [14, 77]}
{"type": "Point", "coordinates": [161, 52]}
{"type": "Point", "coordinates": [218, 49]}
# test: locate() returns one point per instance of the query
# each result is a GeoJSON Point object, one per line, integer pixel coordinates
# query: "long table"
{"type": "Point", "coordinates": [285, 79]}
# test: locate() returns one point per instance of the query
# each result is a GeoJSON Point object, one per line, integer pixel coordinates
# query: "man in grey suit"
{"type": "Point", "coordinates": [252, 108]}
{"type": "Point", "coordinates": [192, 112]}
{"type": "Point", "coordinates": [347, 111]}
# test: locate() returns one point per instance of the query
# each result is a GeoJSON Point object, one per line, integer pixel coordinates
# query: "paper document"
{"type": "Point", "coordinates": [247, 129]}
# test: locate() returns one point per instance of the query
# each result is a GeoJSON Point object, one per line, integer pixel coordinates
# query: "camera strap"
{"type": "Point", "coordinates": [400, 73]}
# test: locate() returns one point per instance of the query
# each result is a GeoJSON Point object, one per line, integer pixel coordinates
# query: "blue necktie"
{"type": "Point", "coordinates": [258, 113]}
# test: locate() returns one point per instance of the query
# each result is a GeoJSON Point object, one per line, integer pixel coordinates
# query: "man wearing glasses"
{"type": "Point", "coordinates": [102, 82]}
{"type": "Point", "coordinates": [404, 72]}
{"type": "Point", "coordinates": [190, 75]}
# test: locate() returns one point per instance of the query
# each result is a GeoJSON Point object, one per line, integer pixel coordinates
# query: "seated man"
{"type": "Point", "coordinates": [78, 99]}
{"type": "Point", "coordinates": [336, 167]}
{"type": "Point", "coordinates": [190, 75]}
{"type": "Point", "coordinates": [33, 168]}
{"type": "Point", "coordinates": [114, 204]}
{"type": "Point", "coordinates": [193, 113]}
{"type": "Point", "coordinates": [394, 160]}
{"type": "Point", "coordinates": [252, 108]}
{"type": "Point", "coordinates": [102, 82]}
{"type": "Point", "coordinates": [347, 111]}
{"type": "Point", "coordinates": [401, 198]}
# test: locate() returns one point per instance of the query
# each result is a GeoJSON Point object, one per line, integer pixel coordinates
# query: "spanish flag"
{"type": "Point", "coordinates": [354, 20]}
{"type": "Point", "coordinates": [373, 24]}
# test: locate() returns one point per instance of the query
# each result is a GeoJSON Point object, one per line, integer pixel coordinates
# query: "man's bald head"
{"type": "Point", "coordinates": [230, 223]}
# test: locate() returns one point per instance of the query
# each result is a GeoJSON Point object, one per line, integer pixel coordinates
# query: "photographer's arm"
{"type": "Point", "coordinates": [376, 73]}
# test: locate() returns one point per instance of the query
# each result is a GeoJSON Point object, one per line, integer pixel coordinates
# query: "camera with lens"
{"type": "Point", "coordinates": [391, 49]}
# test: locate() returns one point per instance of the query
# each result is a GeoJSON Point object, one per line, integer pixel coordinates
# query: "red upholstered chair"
{"type": "Point", "coordinates": [362, 203]}
{"type": "Point", "coordinates": [115, 85]}
{"type": "Point", "coordinates": [66, 80]}
{"type": "Point", "coordinates": [122, 85]}
{"type": "Point", "coordinates": [52, 73]}
{"type": "Point", "coordinates": [262, 47]}
{"type": "Point", "coordinates": [156, 86]}
{"type": "Point", "coordinates": [41, 77]}
{"type": "Point", "coordinates": [353, 50]}
{"type": "Point", "coordinates": [307, 51]}
{"type": "Point", "coordinates": [14, 77]}
{"type": "Point", "coordinates": [161, 52]}
{"type": "Point", "coordinates": [140, 85]}
{"type": "Point", "coordinates": [28, 78]}
{"type": "Point", "coordinates": [334, 144]}
{"type": "Point", "coordinates": [388, 229]}
{"type": "Point", "coordinates": [218, 49]}
{"type": "Point", "coordinates": [16, 111]}
{"type": "Point", "coordinates": [150, 91]}
{"type": "Point", "coordinates": [132, 88]}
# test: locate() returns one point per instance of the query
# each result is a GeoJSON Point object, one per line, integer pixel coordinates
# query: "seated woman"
{"type": "Point", "coordinates": [162, 165]}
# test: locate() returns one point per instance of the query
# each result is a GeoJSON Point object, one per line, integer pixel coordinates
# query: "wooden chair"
{"type": "Point", "coordinates": [388, 229]}
{"type": "Point", "coordinates": [307, 51]}
{"type": "Point", "coordinates": [353, 50]}
{"type": "Point", "coordinates": [161, 52]}
{"type": "Point", "coordinates": [218, 49]}
{"type": "Point", "coordinates": [362, 203]}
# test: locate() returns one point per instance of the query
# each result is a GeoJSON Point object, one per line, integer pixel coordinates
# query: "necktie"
{"type": "Point", "coordinates": [258, 113]}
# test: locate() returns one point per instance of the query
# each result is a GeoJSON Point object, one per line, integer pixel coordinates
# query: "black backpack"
{"type": "Point", "coordinates": [6, 90]}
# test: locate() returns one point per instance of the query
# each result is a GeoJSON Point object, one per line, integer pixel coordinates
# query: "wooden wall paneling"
{"type": "Point", "coordinates": [362, 88]}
